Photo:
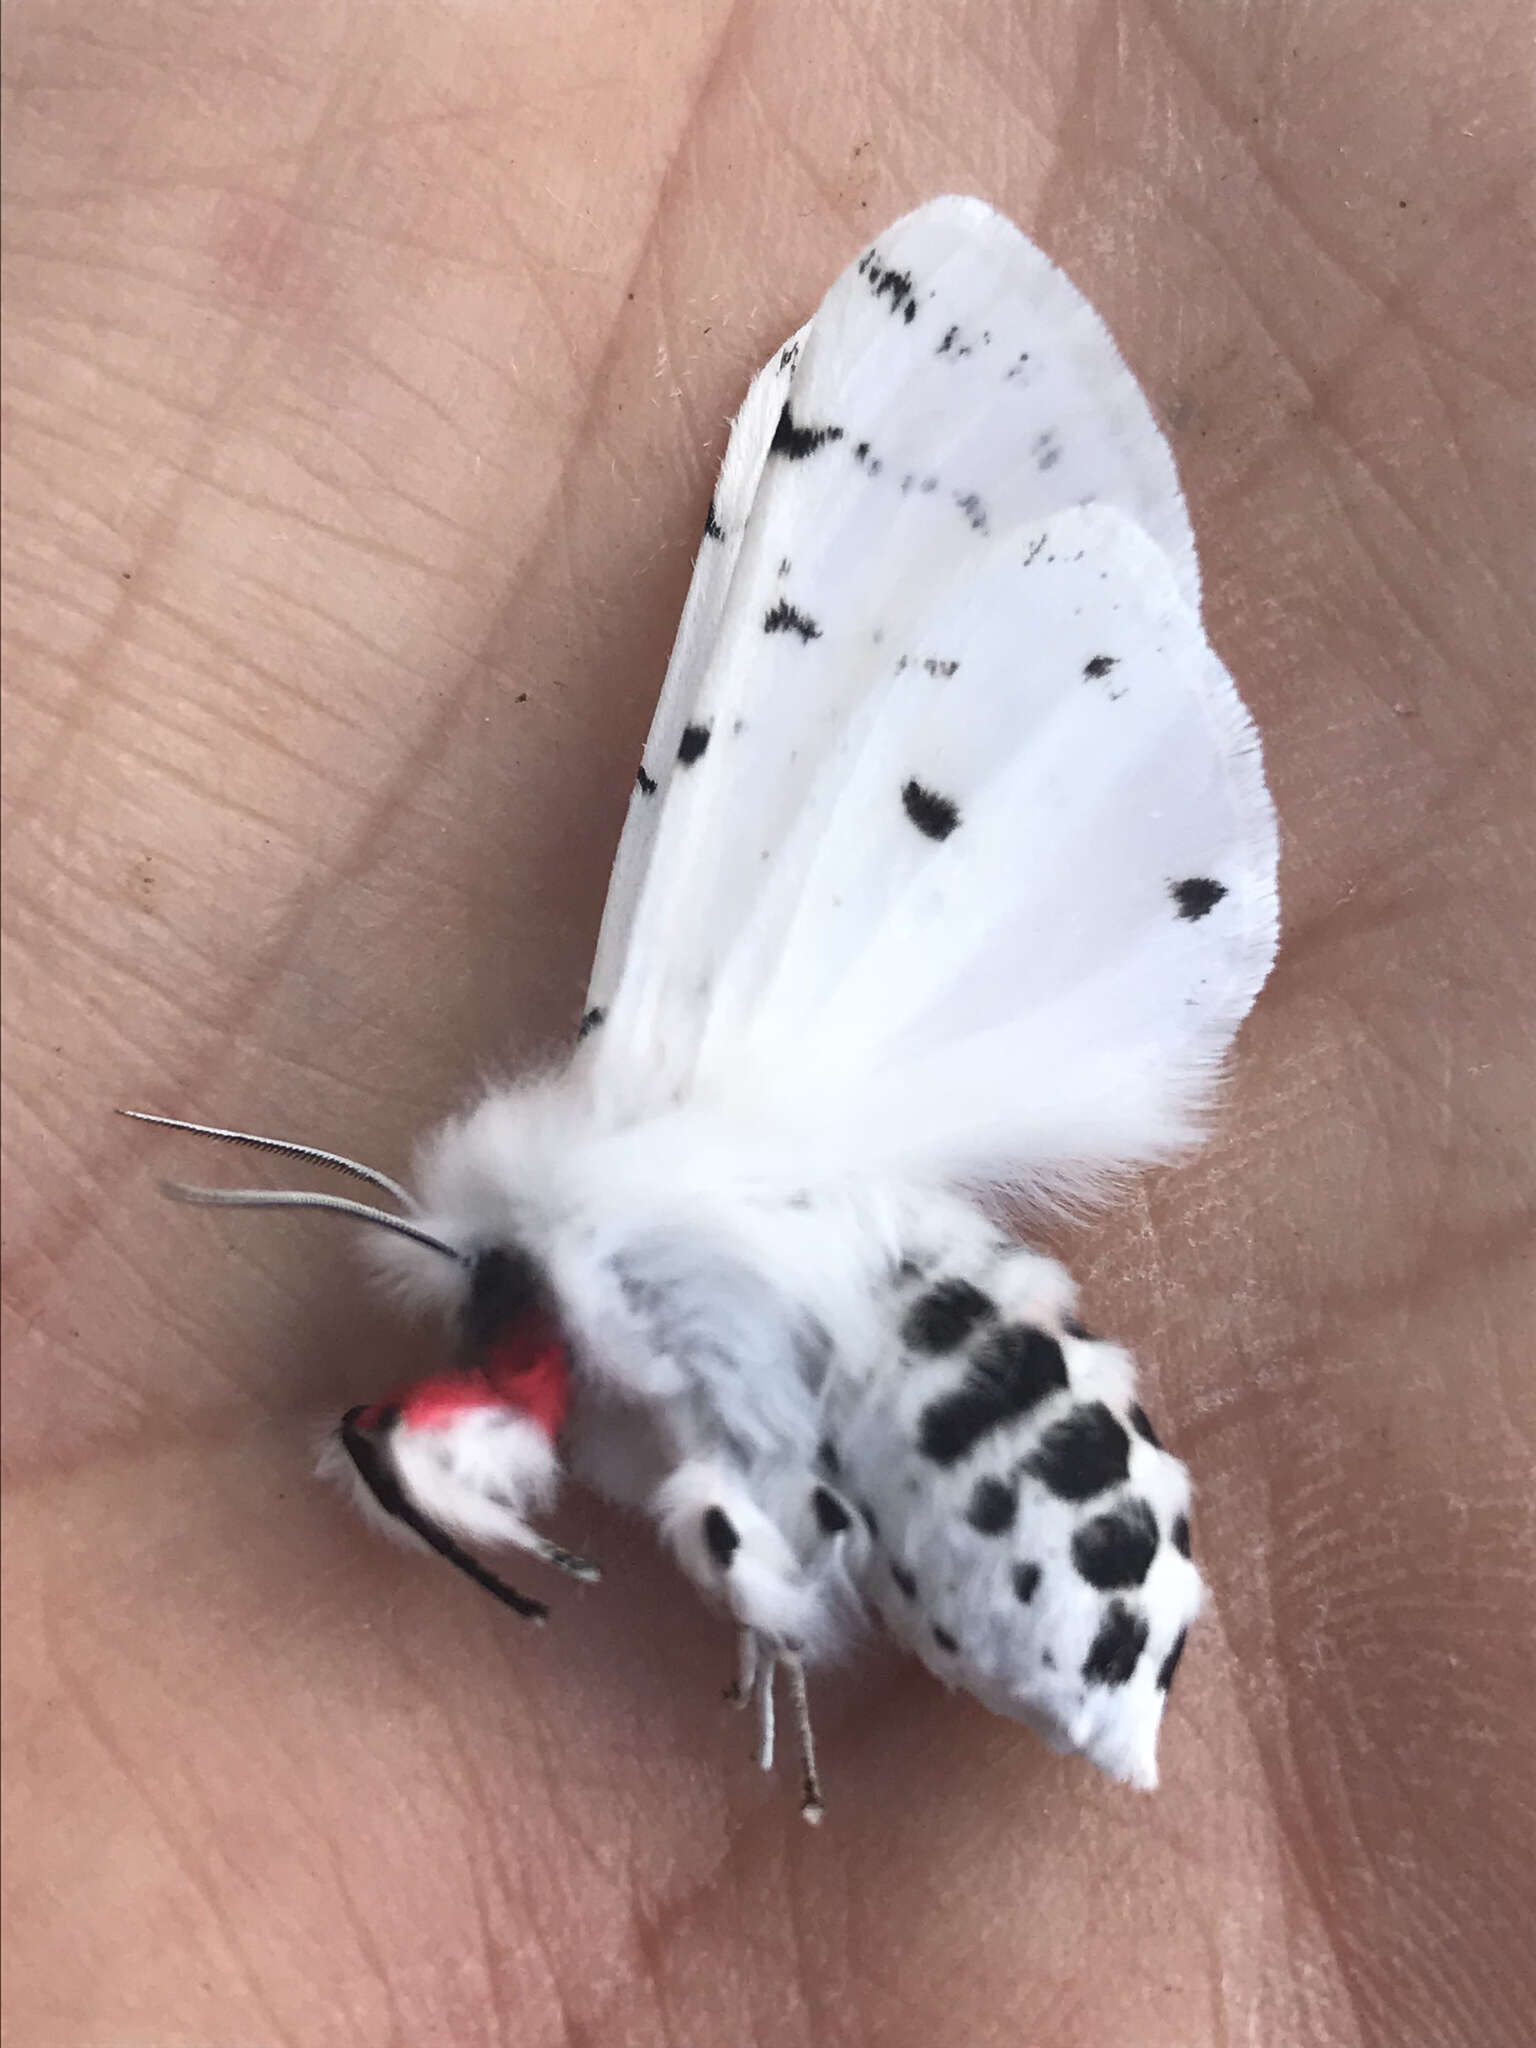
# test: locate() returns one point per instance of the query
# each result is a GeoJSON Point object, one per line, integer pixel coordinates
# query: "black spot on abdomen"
{"type": "Point", "coordinates": [1026, 1581]}
{"type": "Point", "coordinates": [1085, 1453]}
{"type": "Point", "coordinates": [589, 1023]}
{"type": "Point", "coordinates": [1141, 1422]}
{"type": "Point", "coordinates": [905, 1580]}
{"type": "Point", "coordinates": [945, 1316]}
{"type": "Point", "coordinates": [1099, 667]}
{"type": "Point", "coordinates": [1114, 1650]}
{"type": "Point", "coordinates": [1180, 1534]}
{"type": "Point", "coordinates": [1011, 1372]}
{"type": "Point", "coordinates": [1171, 1661]}
{"type": "Point", "coordinates": [945, 1640]}
{"type": "Point", "coordinates": [1116, 1549]}
{"type": "Point", "coordinates": [993, 1506]}
{"type": "Point", "coordinates": [1197, 897]}
{"type": "Point", "coordinates": [646, 784]}
{"type": "Point", "coordinates": [692, 744]}
{"type": "Point", "coordinates": [933, 815]}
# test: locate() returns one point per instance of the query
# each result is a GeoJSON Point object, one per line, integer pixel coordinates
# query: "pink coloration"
{"type": "Point", "coordinates": [528, 1371]}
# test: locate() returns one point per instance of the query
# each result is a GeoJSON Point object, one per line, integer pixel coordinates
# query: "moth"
{"type": "Point", "coordinates": [947, 878]}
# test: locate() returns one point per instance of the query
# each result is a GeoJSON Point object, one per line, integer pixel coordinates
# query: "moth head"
{"type": "Point", "coordinates": [470, 1450]}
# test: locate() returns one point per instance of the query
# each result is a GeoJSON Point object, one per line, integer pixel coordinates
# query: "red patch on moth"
{"type": "Point", "coordinates": [528, 1371]}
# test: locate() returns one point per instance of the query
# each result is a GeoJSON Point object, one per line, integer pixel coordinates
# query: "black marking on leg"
{"type": "Point", "coordinates": [692, 744]}
{"type": "Point", "coordinates": [589, 1023]}
{"type": "Point", "coordinates": [1114, 1650]}
{"type": "Point", "coordinates": [785, 619]}
{"type": "Point", "coordinates": [904, 1580]}
{"type": "Point", "coordinates": [1011, 1372]}
{"type": "Point", "coordinates": [944, 1639]}
{"type": "Point", "coordinates": [1116, 1549]}
{"type": "Point", "coordinates": [646, 784]}
{"type": "Point", "coordinates": [933, 815]}
{"type": "Point", "coordinates": [376, 1470]}
{"type": "Point", "coordinates": [1141, 1422]}
{"type": "Point", "coordinates": [832, 1518]}
{"type": "Point", "coordinates": [1085, 1453]}
{"type": "Point", "coordinates": [992, 1507]}
{"type": "Point", "coordinates": [1197, 896]}
{"type": "Point", "coordinates": [1026, 1581]}
{"type": "Point", "coordinates": [795, 442]}
{"type": "Point", "coordinates": [945, 1316]}
{"type": "Point", "coordinates": [1171, 1661]}
{"type": "Point", "coordinates": [1180, 1535]}
{"type": "Point", "coordinates": [720, 1537]}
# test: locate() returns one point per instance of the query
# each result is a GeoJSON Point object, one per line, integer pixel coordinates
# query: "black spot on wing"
{"type": "Point", "coordinates": [692, 744]}
{"type": "Point", "coordinates": [1099, 667]}
{"type": "Point", "coordinates": [1114, 1650]}
{"type": "Point", "coordinates": [1010, 1373]}
{"type": "Point", "coordinates": [1116, 1549]}
{"type": "Point", "coordinates": [945, 1640]}
{"type": "Point", "coordinates": [992, 1508]}
{"type": "Point", "coordinates": [1085, 1453]}
{"type": "Point", "coordinates": [1180, 1534]}
{"type": "Point", "coordinates": [589, 1023]}
{"type": "Point", "coordinates": [720, 1537]}
{"type": "Point", "coordinates": [713, 530]}
{"type": "Point", "coordinates": [1171, 1661]}
{"type": "Point", "coordinates": [795, 442]}
{"type": "Point", "coordinates": [1141, 1422]}
{"type": "Point", "coordinates": [646, 784]}
{"type": "Point", "coordinates": [785, 619]}
{"type": "Point", "coordinates": [904, 1579]}
{"type": "Point", "coordinates": [832, 1518]}
{"type": "Point", "coordinates": [945, 1316]}
{"type": "Point", "coordinates": [1197, 896]}
{"type": "Point", "coordinates": [1026, 1581]}
{"type": "Point", "coordinates": [934, 816]}
{"type": "Point", "coordinates": [886, 283]}
{"type": "Point", "coordinates": [974, 510]}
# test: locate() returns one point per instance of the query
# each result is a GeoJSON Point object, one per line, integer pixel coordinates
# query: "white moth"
{"type": "Point", "coordinates": [948, 876]}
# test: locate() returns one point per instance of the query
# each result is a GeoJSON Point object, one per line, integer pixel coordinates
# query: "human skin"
{"type": "Point", "coordinates": [366, 370]}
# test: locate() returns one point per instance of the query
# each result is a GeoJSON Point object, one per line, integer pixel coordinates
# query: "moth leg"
{"type": "Point", "coordinates": [764, 1689]}
{"type": "Point", "coordinates": [812, 1805]}
{"type": "Point", "coordinates": [739, 1692]}
{"type": "Point", "coordinates": [518, 1535]}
